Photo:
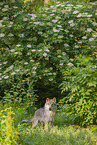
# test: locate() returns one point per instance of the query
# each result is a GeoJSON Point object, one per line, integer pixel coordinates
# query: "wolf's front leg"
{"type": "Point", "coordinates": [35, 121]}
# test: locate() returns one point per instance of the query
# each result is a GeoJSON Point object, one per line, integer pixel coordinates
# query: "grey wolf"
{"type": "Point", "coordinates": [46, 114]}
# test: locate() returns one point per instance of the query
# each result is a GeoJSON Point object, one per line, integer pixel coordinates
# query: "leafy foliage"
{"type": "Point", "coordinates": [43, 47]}
{"type": "Point", "coordinates": [81, 81]}
{"type": "Point", "coordinates": [8, 133]}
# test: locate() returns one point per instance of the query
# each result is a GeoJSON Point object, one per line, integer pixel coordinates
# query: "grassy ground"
{"type": "Point", "coordinates": [14, 131]}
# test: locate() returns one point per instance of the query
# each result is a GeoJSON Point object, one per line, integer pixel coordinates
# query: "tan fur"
{"type": "Point", "coordinates": [46, 114]}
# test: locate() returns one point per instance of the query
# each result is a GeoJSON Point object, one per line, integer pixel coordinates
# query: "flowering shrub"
{"type": "Point", "coordinates": [40, 46]}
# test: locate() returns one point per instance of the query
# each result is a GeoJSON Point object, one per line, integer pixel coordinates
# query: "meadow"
{"type": "Point", "coordinates": [14, 131]}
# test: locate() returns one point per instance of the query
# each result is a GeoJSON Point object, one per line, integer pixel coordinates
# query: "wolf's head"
{"type": "Point", "coordinates": [51, 104]}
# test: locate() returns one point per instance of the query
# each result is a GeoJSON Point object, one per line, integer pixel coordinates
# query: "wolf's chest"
{"type": "Point", "coordinates": [48, 116]}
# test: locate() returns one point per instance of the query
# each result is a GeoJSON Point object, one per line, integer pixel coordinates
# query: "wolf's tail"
{"type": "Point", "coordinates": [28, 120]}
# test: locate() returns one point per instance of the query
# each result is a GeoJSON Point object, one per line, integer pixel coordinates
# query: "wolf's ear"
{"type": "Point", "coordinates": [54, 99]}
{"type": "Point", "coordinates": [47, 99]}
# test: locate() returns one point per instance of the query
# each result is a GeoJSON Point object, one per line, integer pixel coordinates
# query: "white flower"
{"type": "Point", "coordinates": [6, 6]}
{"type": "Point", "coordinates": [79, 6]}
{"type": "Point", "coordinates": [66, 45]}
{"type": "Point", "coordinates": [72, 24]}
{"type": "Point", "coordinates": [62, 5]}
{"type": "Point", "coordinates": [79, 15]}
{"type": "Point", "coordinates": [26, 70]}
{"type": "Point", "coordinates": [69, 5]}
{"type": "Point", "coordinates": [51, 79]}
{"type": "Point", "coordinates": [0, 78]}
{"type": "Point", "coordinates": [71, 59]}
{"type": "Point", "coordinates": [66, 31]}
{"type": "Point", "coordinates": [69, 9]}
{"type": "Point", "coordinates": [91, 39]}
{"type": "Point", "coordinates": [36, 23]}
{"type": "Point", "coordinates": [53, 11]}
{"type": "Point", "coordinates": [76, 46]}
{"type": "Point", "coordinates": [2, 34]}
{"type": "Point", "coordinates": [71, 21]}
{"type": "Point", "coordinates": [58, 5]}
{"type": "Point", "coordinates": [59, 26]}
{"type": "Point", "coordinates": [92, 3]}
{"type": "Point", "coordinates": [28, 53]}
{"type": "Point", "coordinates": [29, 45]}
{"type": "Point", "coordinates": [4, 18]}
{"type": "Point", "coordinates": [6, 77]}
{"type": "Point", "coordinates": [89, 15]}
{"type": "Point", "coordinates": [21, 35]}
{"type": "Point", "coordinates": [61, 64]}
{"type": "Point", "coordinates": [31, 60]}
{"type": "Point", "coordinates": [10, 26]}
{"type": "Point", "coordinates": [34, 68]}
{"type": "Point", "coordinates": [40, 50]}
{"type": "Point", "coordinates": [71, 35]}
{"type": "Point", "coordinates": [47, 50]}
{"type": "Point", "coordinates": [89, 30]}
{"type": "Point", "coordinates": [54, 73]}
{"type": "Point", "coordinates": [11, 67]}
{"type": "Point", "coordinates": [94, 36]}
{"type": "Point", "coordinates": [25, 19]}
{"type": "Point", "coordinates": [94, 23]}
{"type": "Point", "coordinates": [5, 62]}
{"type": "Point", "coordinates": [15, 7]}
{"type": "Point", "coordinates": [34, 72]}
{"type": "Point", "coordinates": [54, 21]}
{"type": "Point", "coordinates": [13, 73]}
{"type": "Point", "coordinates": [33, 16]}
{"type": "Point", "coordinates": [55, 30]}
{"type": "Point", "coordinates": [49, 73]}
{"type": "Point", "coordinates": [0, 64]}
{"type": "Point", "coordinates": [52, 14]}
{"type": "Point", "coordinates": [75, 12]}
{"type": "Point", "coordinates": [40, 32]}
{"type": "Point", "coordinates": [17, 70]}
{"type": "Point", "coordinates": [10, 34]}
{"type": "Point", "coordinates": [70, 64]}
{"type": "Point", "coordinates": [51, 68]}
{"type": "Point", "coordinates": [84, 37]}
{"type": "Point", "coordinates": [26, 63]}
{"type": "Point", "coordinates": [46, 58]}
{"type": "Point", "coordinates": [18, 45]}
{"type": "Point", "coordinates": [0, 74]}
{"type": "Point", "coordinates": [16, 53]}
{"type": "Point", "coordinates": [12, 50]}
{"type": "Point", "coordinates": [44, 54]}
{"type": "Point", "coordinates": [63, 53]}
{"type": "Point", "coordinates": [33, 50]}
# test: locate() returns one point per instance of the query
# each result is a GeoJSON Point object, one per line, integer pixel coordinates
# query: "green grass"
{"type": "Point", "coordinates": [14, 131]}
{"type": "Point", "coordinates": [57, 136]}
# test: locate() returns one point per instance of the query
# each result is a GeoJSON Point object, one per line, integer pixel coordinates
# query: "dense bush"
{"type": "Point", "coordinates": [81, 82]}
{"type": "Point", "coordinates": [39, 49]}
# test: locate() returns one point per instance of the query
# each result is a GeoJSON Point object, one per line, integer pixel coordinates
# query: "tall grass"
{"type": "Point", "coordinates": [14, 131]}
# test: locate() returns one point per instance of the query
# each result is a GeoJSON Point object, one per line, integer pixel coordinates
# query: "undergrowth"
{"type": "Point", "coordinates": [14, 131]}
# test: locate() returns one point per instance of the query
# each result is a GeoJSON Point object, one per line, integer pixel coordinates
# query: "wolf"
{"type": "Point", "coordinates": [46, 114]}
